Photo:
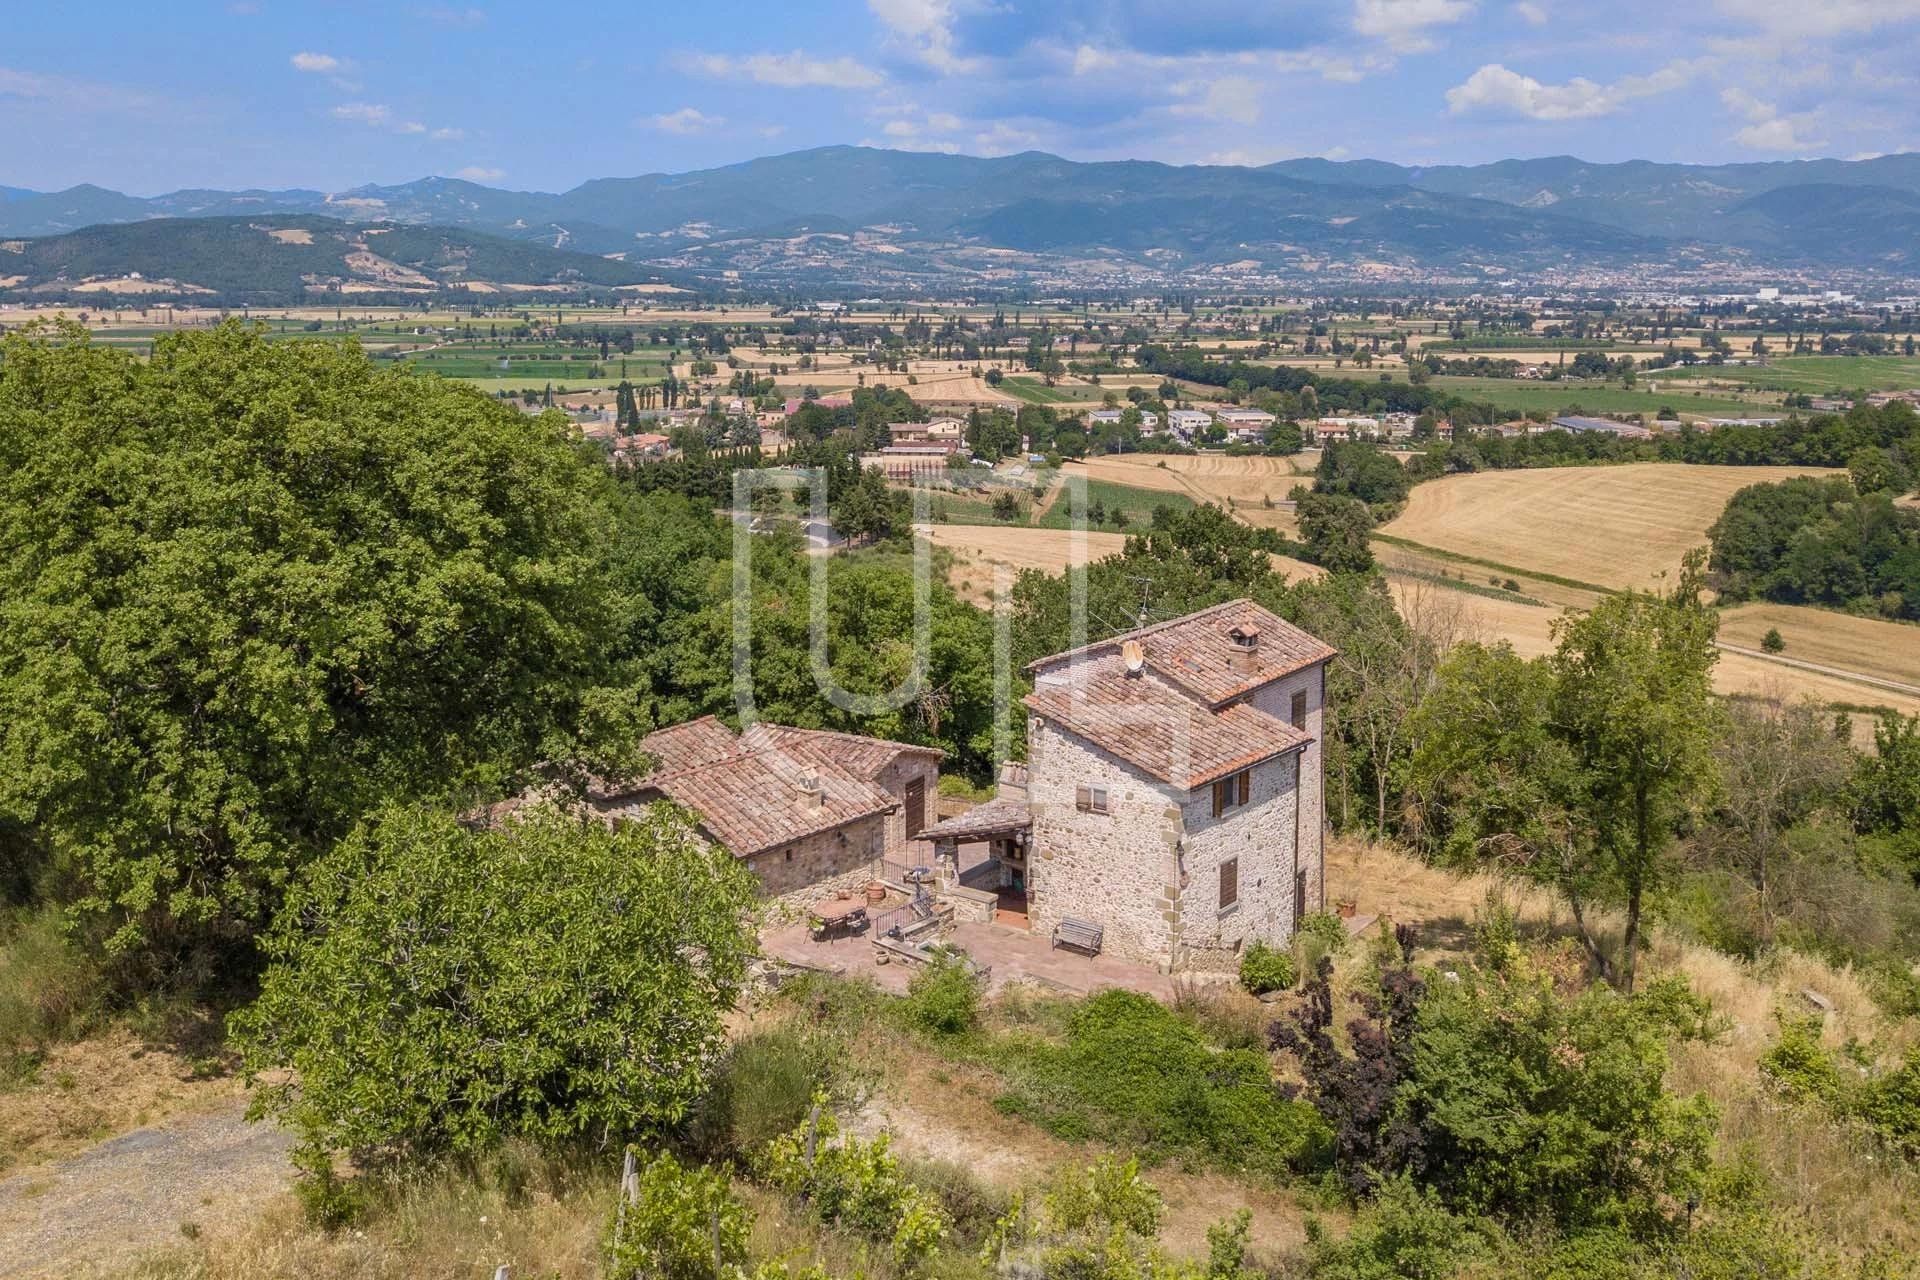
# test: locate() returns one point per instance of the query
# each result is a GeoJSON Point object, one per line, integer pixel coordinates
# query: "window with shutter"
{"type": "Point", "coordinates": [1219, 798]}
{"type": "Point", "coordinates": [1090, 798]}
{"type": "Point", "coordinates": [1229, 883]}
{"type": "Point", "coordinates": [1244, 785]}
{"type": "Point", "coordinates": [1298, 710]}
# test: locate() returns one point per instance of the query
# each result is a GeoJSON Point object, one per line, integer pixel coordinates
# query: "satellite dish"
{"type": "Point", "coordinates": [1134, 655]}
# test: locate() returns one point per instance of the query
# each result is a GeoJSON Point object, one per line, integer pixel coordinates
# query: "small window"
{"type": "Point", "coordinates": [788, 854]}
{"type": "Point", "coordinates": [1090, 798]}
{"type": "Point", "coordinates": [1229, 883]}
{"type": "Point", "coordinates": [1298, 711]}
{"type": "Point", "coordinates": [1234, 789]}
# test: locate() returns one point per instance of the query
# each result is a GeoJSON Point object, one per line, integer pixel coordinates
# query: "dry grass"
{"type": "Point", "coordinates": [1244, 482]}
{"type": "Point", "coordinates": [95, 1088]}
{"type": "Point", "coordinates": [539, 1217]}
{"type": "Point", "coordinates": [1615, 526]}
{"type": "Point", "coordinates": [1852, 1191]}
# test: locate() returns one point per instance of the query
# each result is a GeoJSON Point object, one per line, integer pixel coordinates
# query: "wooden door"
{"type": "Point", "coordinates": [916, 807]}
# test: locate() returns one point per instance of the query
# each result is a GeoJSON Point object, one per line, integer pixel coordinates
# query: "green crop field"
{"type": "Point", "coordinates": [1556, 397]}
{"type": "Point", "coordinates": [1811, 374]}
{"type": "Point", "coordinates": [1137, 503]}
{"type": "Point", "coordinates": [1035, 391]}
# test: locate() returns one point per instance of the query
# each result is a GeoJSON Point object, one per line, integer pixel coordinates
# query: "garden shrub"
{"type": "Point", "coordinates": [1265, 969]}
{"type": "Point", "coordinates": [1134, 1073]}
{"type": "Point", "coordinates": [1800, 1066]}
{"type": "Point", "coordinates": [858, 1186]}
{"type": "Point", "coordinates": [1405, 1233]}
{"type": "Point", "coordinates": [765, 1085]}
{"type": "Point", "coordinates": [681, 1223]}
{"type": "Point", "coordinates": [943, 996]}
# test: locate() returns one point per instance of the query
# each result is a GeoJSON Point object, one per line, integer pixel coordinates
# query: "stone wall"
{"type": "Point", "coordinates": [1259, 835]}
{"type": "Point", "coordinates": [815, 867]}
{"type": "Point", "coordinates": [893, 779]}
{"type": "Point", "coordinates": [1275, 700]}
{"type": "Point", "coordinates": [1116, 869]}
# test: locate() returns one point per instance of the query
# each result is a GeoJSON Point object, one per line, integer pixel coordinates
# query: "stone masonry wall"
{"type": "Point", "coordinates": [1115, 869]}
{"type": "Point", "coordinates": [1275, 700]}
{"type": "Point", "coordinates": [1260, 835]}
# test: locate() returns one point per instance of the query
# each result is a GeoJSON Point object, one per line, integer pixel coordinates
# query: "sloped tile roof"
{"type": "Point", "coordinates": [1192, 651]}
{"type": "Point", "coordinates": [992, 818]}
{"type": "Point", "coordinates": [753, 791]}
{"type": "Point", "coordinates": [1158, 727]}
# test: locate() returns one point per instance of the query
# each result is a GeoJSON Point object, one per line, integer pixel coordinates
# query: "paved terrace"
{"type": "Point", "coordinates": [1012, 955]}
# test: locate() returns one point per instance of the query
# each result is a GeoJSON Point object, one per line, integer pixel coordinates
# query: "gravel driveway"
{"type": "Point", "coordinates": [133, 1192]}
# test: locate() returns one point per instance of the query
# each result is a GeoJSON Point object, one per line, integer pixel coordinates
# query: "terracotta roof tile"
{"type": "Point", "coordinates": [1193, 651]}
{"type": "Point", "coordinates": [755, 791]}
{"type": "Point", "coordinates": [992, 818]}
{"type": "Point", "coordinates": [1156, 725]}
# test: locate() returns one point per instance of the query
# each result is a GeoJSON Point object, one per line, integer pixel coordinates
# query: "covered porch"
{"type": "Point", "coordinates": [984, 852]}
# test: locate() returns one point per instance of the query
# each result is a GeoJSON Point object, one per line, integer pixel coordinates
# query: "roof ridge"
{"type": "Point", "coordinates": [1140, 633]}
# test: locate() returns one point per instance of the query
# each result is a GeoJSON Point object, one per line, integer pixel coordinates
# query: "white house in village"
{"type": "Point", "coordinates": [1185, 424]}
{"type": "Point", "coordinates": [1245, 424]}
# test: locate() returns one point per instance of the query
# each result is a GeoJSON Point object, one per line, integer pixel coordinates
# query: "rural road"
{"type": "Point", "coordinates": [1839, 672]}
{"type": "Point", "coordinates": [133, 1192]}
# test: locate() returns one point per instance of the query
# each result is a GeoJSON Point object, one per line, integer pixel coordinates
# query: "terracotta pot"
{"type": "Point", "coordinates": [1346, 908]}
{"type": "Point", "coordinates": [876, 892]}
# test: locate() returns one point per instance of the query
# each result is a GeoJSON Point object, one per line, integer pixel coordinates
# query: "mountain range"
{"type": "Point", "coordinates": [859, 212]}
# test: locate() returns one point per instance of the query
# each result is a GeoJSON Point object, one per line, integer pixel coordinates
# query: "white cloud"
{"type": "Point", "coordinates": [795, 70]}
{"type": "Point", "coordinates": [1532, 14]}
{"type": "Point", "coordinates": [925, 28]}
{"type": "Point", "coordinates": [1766, 129]}
{"type": "Point", "coordinates": [448, 134]}
{"type": "Point", "coordinates": [409, 126]}
{"type": "Point", "coordinates": [479, 173]}
{"type": "Point", "coordinates": [448, 16]}
{"type": "Point", "coordinates": [686, 120]}
{"type": "Point", "coordinates": [1404, 24]}
{"type": "Point", "coordinates": [316, 62]}
{"type": "Point", "coordinates": [1495, 89]}
{"type": "Point", "coordinates": [1819, 18]}
{"type": "Point", "coordinates": [1231, 98]}
{"type": "Point", "coordinates": [368, 113]}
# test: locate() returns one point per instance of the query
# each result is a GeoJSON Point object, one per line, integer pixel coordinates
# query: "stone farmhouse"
{"type": "Point", "coordinates": [1170, 811]}
{"type": "Point", "coordinates": [809, 811]}
{"type": "Point", "coordinates": [1173, 796]}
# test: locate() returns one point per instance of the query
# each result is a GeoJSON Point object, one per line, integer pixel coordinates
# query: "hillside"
{"type": "Point", "coordinates": [274, 259]}
{"type": "Point", "coordinates": [1513, 215]}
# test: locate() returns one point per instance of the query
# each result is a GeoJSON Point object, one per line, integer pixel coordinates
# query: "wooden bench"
{"type": "Point", "coordinates": [1081, 935]}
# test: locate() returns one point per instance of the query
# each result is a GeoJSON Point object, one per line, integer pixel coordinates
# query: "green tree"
{"type": "Point", "coordinates": [1336, 530]}
{"type": "Point", "coordinates": [252, 590]}
{"type": "Point", "coordinates": [435, 989]}
{"type": "Point", "coordinates": [1633, 700]}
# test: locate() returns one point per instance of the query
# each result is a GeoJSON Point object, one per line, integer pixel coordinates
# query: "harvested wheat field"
{"type": "Point", "coordinates": [1620, 526]}
{"type": "Point", "coordinates": [977, 548]}
{"type": "Point", "coordinates": [1887, 650]}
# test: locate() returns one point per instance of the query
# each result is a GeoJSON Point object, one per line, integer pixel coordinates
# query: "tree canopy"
{"type": "Point", "coordinates": [248, 590]}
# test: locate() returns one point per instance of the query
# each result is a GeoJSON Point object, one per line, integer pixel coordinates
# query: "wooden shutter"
{"type": "Point", "coordinates": [1083, 798]}
{"type": "Point", "coordinates": [1219, 797]}
{"type": "Point", "coordinates": [1299, 897]}
{"type": "Point", "coordinates": [1244, 783]}
{"type": "Point", "coordinates": [1229, 883]}
{"type": "Point", "coordinates": [1298, 711]}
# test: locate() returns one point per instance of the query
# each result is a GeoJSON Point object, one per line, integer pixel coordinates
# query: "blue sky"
{"type": "Point", "coordinates": [333, 93]}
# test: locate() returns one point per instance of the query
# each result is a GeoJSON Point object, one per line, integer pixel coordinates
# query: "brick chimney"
{"type": "Point", "coordinates": [1243, 647]}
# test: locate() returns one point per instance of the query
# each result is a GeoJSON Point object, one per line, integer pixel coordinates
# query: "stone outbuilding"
{"type": "Point", "coordinates": [810, 811]}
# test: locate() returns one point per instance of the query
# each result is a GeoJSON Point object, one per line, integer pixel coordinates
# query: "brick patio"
{"type": "Point", "coordinates": [1012, 955]}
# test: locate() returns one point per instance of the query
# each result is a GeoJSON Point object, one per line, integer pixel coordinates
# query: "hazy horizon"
{"type": "Point", "coordinates": [328, 97]}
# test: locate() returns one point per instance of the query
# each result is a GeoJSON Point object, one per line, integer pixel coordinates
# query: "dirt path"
{"type": "Point", "coordinates": [1858, 677]}
{"type": "Point", "coordinates": [137, 1191]}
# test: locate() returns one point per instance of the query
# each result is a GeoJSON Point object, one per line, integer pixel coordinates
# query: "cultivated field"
{"type": "Point", "coordinates": [1616, 526]}
{"type": "Point", "coordinates": [1888, 650]}
{"type": "Point", "coordinates": [1248, 481]}
{"type": "Point", "coordinates": [977, 548]}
